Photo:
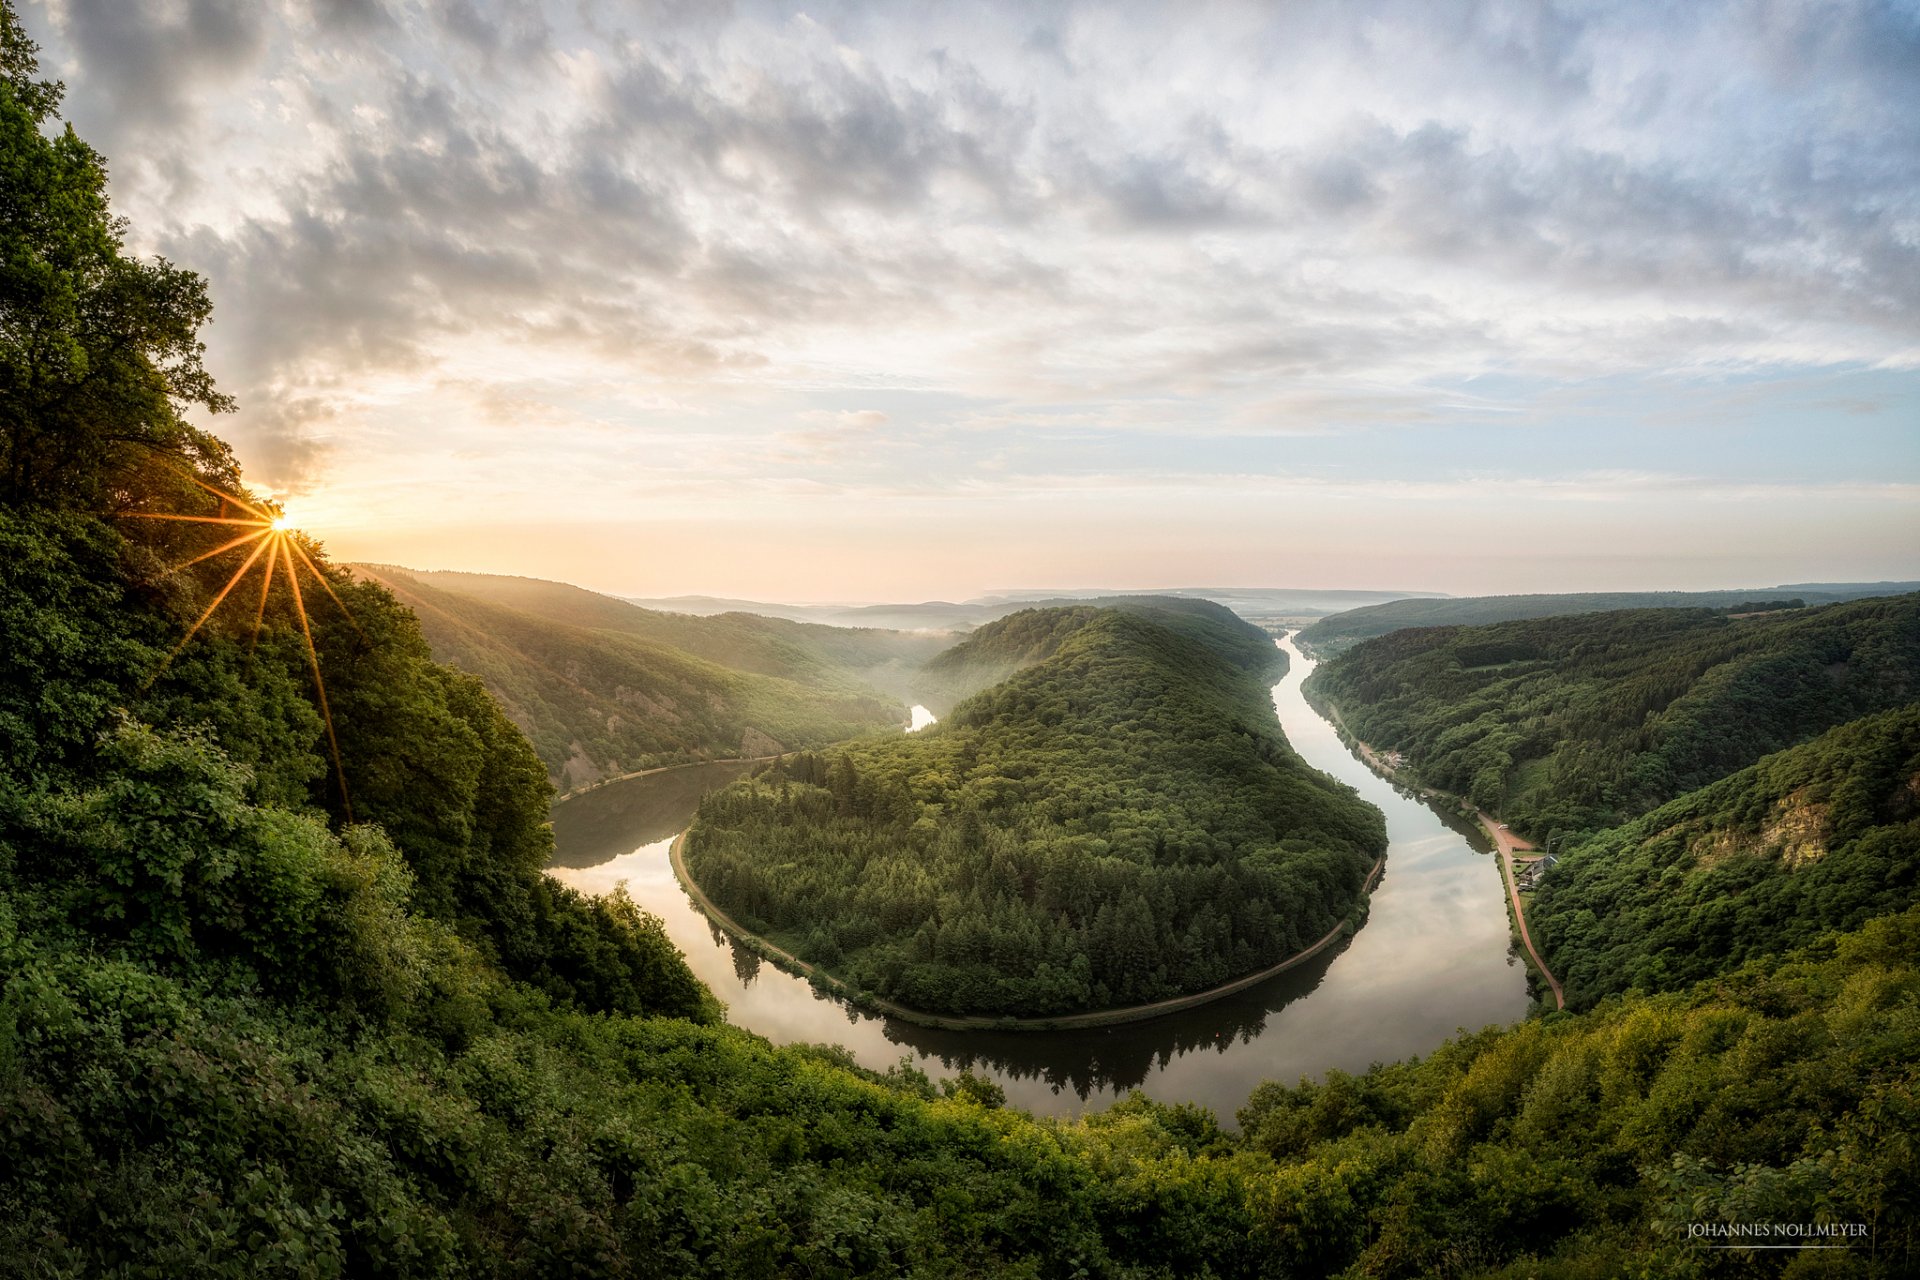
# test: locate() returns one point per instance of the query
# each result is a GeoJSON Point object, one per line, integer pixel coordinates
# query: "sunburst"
{"type": "Point", "coordinates": [275, 546]}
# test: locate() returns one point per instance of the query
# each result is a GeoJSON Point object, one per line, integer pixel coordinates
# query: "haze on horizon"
{"type": "Point", "coordinates": [861, 301]}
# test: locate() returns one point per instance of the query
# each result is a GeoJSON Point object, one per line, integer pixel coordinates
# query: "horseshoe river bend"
{"type": "Point", "coordinates": [1434, 956]}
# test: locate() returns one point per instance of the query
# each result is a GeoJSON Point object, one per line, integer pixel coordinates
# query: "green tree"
{"type": "Point", "coordinates": [99, 352]}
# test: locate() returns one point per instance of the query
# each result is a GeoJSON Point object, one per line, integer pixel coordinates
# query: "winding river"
{"type": "Point", "coordinates": [1433, 957]}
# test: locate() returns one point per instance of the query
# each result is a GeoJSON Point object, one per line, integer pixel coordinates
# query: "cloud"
{"type": "Point", "coordinates": [1246, 218]}
{"type": "Point", "coordinates": [845, 419]}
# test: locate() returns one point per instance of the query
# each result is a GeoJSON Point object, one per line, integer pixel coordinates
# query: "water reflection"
{"type": "Point", "coordinates": [599, 826]}
{"type": "Point", "coordinates": [1432, 958]}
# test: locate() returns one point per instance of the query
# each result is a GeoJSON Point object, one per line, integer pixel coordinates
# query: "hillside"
{"type": "Point", "coordinates": [599, 700]}
{"type": "Point", "coordinates": [1120, 822]}
{"type": "Point", "coordinates": [849, 658]}
{"type": "Point", "coordinates": [1825, 835]}
{"type": "Point", "coordinates": [1028, 636]}
{"type": "Point", "coordinates": [1575, 723]}
{"type": "Point", "coordinates": [1331, 636]}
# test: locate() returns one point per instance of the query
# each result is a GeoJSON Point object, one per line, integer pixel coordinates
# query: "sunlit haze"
{"type": "Point", "coordinates": [901, 301]}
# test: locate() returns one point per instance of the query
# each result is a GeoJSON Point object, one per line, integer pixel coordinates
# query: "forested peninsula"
{"type": "Point", "coordinates": [1119, 823]}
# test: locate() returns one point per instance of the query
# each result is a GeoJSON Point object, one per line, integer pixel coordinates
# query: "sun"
{"type": "Point", "coordinates": [276, 545]}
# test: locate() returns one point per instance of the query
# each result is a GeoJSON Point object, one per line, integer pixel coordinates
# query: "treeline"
{"type": "Point", "coordinates": [1565, 725]}
{"type": "Point", "coordinates": [1333, 635]}
{"type": "Point", "coordinates": [602, 700]}
{"type": "Point", "coordinates": [1120, 823]}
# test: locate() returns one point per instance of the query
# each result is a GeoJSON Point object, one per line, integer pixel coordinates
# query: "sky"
{"type": "Point", "coordinates": [904, 301]}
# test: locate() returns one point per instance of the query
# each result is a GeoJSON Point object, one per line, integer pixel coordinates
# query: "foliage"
{"type": "Point", "coordinates": [1586, 1145]}
{"type": "Point", "coordinates": [615, 694]}
{"type": "Point", "coordinates": [98, 351]}
{"type": "Point", "coordinates": [1121, 823]}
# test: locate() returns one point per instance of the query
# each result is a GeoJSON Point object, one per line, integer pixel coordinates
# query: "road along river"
{"type": "Point", "coordinates": [1433, 957]}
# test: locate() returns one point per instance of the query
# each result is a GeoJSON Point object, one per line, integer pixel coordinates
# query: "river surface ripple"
{"type": "Point", "coordinates": [1433, 957]}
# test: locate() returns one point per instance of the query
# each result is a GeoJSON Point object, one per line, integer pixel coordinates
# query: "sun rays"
{"type": "Point", "coordinates": [276, 547]}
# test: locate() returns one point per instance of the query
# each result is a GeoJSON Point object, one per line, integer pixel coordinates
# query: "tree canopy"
{"type": "Point", "coordinates": [99, 351]}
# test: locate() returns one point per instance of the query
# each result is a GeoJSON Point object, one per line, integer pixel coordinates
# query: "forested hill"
{"type": "Point", "coordinates": [1331, 636]}
{"type": "Point", "coordinates": [1575, 723]}
{"type": "Point", "coordinates": [1824, 835]}
{"type": "Point", "coordinates": [602, 700]}
{"type": "Point", "coordinates": [846, 658]}
{"type": "Point", "coordinates": [1122, 822]}
{"type": "Point", "coordinates": [1019, 640]}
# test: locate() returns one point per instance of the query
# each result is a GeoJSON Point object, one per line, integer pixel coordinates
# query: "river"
{"type": "Point", "coordinates": [1433, 957]}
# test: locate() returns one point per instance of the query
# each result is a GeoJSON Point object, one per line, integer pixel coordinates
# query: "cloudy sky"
{"type": "Point", "coordinates": [861, 301]}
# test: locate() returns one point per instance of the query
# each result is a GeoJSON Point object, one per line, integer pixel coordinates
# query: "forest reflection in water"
{"type": "Point", "coordinates": [1431, 959]}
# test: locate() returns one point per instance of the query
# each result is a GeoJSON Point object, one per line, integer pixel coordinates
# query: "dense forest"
{"type": "Point", "coordinates": [605, 695]}
{"type": "Point", "coordinates": [1121, 822]}
{"type": "Point", "coordinates": [1332, 636]}
{"type": "Point", "coordinates": [265, 1017]}
{"type": "Point", "coordinates": [1571, 724]}
{"type": "Point", "coordinates": [1824, 835]}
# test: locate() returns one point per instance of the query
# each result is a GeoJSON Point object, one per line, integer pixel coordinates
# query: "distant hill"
{"type": "Point", "coordinates": [858, 659]}
{"type": "Point", "coordinates": [1339, 632]}
{"type": "Point", "coordinates": [1029, 636]}
{"type": "Point", "coordinates": [601, 691]}
{"type": "Point", "coordinates": [931, 615]}
{"type": "Point", "coordinates": [1586, 721]}
{"type": "Point", "coordinates": [1256, 604]}
{"type": "Point", "coordinates": [1825, 835]}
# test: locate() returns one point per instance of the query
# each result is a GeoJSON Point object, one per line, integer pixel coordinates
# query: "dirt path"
{"type": "Point", "coordinates": [1060, 1022]}
{"type": "Point", "coordinates": [1508, 843]}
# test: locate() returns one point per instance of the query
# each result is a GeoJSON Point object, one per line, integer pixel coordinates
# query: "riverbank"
{"type": "Point", "coordinates": [768, 950]}
{"type": "Point", "coordinates": [1504, 841]}
{"type": "Point", "coordinates": [597, 783]}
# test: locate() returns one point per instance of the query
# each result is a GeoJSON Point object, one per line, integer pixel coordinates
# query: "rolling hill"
{"type": "Point", "coordinates": [1333, 635]}
{"type": "Point", "coordinates": [1256, 604]}
{"type": "Point", "coordinates": [600, 689]}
